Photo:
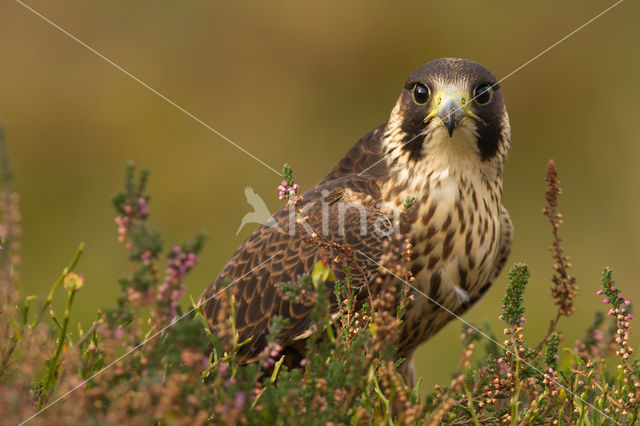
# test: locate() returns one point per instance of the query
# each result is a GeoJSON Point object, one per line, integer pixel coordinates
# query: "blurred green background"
{"type": "Point", "coordinates": [301, 83]}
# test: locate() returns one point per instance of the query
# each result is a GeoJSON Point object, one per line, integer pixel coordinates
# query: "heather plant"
{"type": "Point", "coordinates": [152, 357]}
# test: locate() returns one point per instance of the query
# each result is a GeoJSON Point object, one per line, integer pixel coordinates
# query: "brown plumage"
{"type": "Point", "coordinates": [444, 144]}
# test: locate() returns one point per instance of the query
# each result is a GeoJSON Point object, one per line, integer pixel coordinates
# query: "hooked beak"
{"type": "Point", "coordinates": [451, 107]}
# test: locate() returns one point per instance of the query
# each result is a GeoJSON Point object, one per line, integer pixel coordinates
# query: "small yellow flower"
{"type": "Point", "coordinates": [73, 281]}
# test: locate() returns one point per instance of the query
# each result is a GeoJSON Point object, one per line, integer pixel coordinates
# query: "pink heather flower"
{"type": "Point", "coordinates": [629, 316]}
{"type": "Point", "coordinates": [627, 302]}
{"type": "Point", "coordinates": [176, 249]}
{"type": "Point", "coordinates": [239, 400]}
{"type": "Point", "coordinates": [223, 369]}
{"type": "Point", "coordinates": [597, 335]}
{"type": "Point", "coordinates": [619, 296]}
{"type": "Point", "coordinates": [606, 301]}
{"type": "Point", "coordinates": [613, 288]}
{"type": "Point", "coordinates": [146, 257]}
{"type": "Point", "coordinates": [556, 356]}
{"type": "Point", "coordinates": [599, 292]}
{"type": "Point", "coordinates": [550, 370]}
{"type": "Point", "coordinates": [142, 207]}
{"type": "Point", "coordinates": [523, 319]}
{"type": "Point", "coordinates": [119, 333]}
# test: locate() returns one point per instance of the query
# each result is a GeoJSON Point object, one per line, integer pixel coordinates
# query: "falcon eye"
{"type": "Point", "coordinates": [420, 94]}
{"type": "Point", "coordinates": [483, 94]}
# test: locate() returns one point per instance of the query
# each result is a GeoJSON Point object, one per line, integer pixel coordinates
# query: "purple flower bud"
{"type": "Point", "coordinates": [599, 292]}
{"type": "Point", "coordinates": [119, 333]}
{"type": "Point", "coordinates": [523, 319]}
{"type": "Point", "coordinates": [629, 316]}
{"type": "Point", "coordinates": [223, 369]}
{"type": "Point", "coordinates": [238, 402]}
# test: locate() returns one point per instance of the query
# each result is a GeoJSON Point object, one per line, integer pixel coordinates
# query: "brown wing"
{"type": "Point", "coordinates": [257, 274]}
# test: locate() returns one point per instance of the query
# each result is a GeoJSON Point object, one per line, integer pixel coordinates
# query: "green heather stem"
{"type": "Point", "coordinates": [534, 409]}
{"type": "Point", "coordinates": [635, 417]}
{"type": "Point", "coordinates": [515, 399]}
{"type": "Point", "coordinates": [59, 281]}
{"type": "Point", "coordinates": [564, 404]}
{"type": "Point", "coordinates": [470, 405]}
{"type": "Point", "coordinates": [53, 363]}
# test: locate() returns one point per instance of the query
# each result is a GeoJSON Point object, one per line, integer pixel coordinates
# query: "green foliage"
{"type": "Point", "coordinates": [145, 361]}
{"type": "Point", "coordinates": [551, 352]}
{"type": "Point", "coordinates": [408, 203]}
{"type": "Point", "coordinates": [287, 174]}
{"type": "Point", "coordinates": [513, 298]}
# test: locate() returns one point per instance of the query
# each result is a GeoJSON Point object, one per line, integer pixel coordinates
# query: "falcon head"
{"type": "Point", "coordinates": [450, 107]}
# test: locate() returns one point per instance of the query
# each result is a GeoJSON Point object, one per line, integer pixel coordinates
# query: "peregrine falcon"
{"type": "Point", "coordinates": [444, 145]}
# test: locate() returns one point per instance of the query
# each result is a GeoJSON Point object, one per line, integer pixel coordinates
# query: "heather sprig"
{"type": "Point", "coordinates": [408, 203]}
{"type": "Point", "coordinates": [551, 351]}
{"type": "Point", "coordinates": [287, 188]}
{"type": "Point", "coordinates": [564, 288]}
{"type": "Point", "coordinates": [613, 295]}
{"type": "Point", "coordinates": [512, 305]}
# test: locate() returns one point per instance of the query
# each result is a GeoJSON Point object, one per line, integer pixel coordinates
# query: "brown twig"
{"type": "Point", "coordinates": [564, 288]}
